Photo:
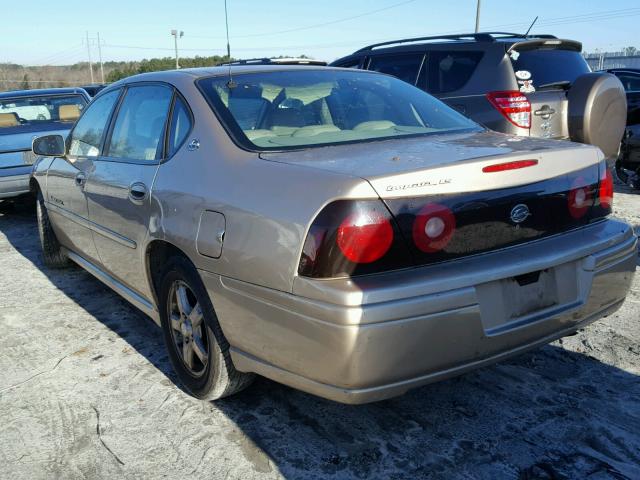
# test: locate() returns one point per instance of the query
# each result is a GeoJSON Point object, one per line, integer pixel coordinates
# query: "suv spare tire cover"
{"type": "Point", "coordinates": [598, 111]}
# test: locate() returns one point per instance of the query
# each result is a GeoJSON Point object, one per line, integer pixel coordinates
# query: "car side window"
{"type": "Point", "coordinates": [450, 71]}
{"type": "Point", "coordinates": [180, 125]}
{"type": "Point", "coordinates": [140, 123]}
{"type": "Point", "coordinates": [630, 82]}
{"type": "Point", "coordinates": [86, 137]}
{"type": "Point", "coordinates": [405, 67]}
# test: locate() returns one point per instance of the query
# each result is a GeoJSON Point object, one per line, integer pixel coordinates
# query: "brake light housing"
{"type": "Point", "coordinates": [433, 228]}
{"type": "Point", "coordinates": [513, 105]}
{"type": "Point", "coordinates": [605, 190]}
{"type": "Point", "coordinates": [580, 198]}
{"type": "Point", "coordinates": [353, 237]}
{"type": "Point", "coordinates": [365, 236]}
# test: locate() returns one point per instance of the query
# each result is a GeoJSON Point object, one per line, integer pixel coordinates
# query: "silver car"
{"type": "Point", "coordinates": [339, 231]}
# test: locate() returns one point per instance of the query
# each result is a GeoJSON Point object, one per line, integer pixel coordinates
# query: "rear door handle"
{"type": "Point", "coordinates": [138, 192]}
{"type": "Point", "coordinates": [81, 179]}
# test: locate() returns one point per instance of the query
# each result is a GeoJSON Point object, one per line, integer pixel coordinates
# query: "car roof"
{"type": "Point", "coordinates": [42, 91]}
{"type": "Point", "coordinates": [464, 39]}
{"type": "Point", "coordinates": [201, 72]}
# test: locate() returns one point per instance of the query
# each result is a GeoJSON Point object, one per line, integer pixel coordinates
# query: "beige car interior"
{"type": "Point", "coordinates": [303, 112]}
{"type": "Point", "coordinates": [68, 113]}
{"type": "Point", "coordinates": [9, 119]}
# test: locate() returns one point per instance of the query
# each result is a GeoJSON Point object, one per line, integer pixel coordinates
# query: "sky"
{"type": "Point", "coordinates": [42, 32]}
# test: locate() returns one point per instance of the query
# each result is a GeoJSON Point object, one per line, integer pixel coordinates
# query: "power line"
{"type": "Point", "coordinates": [317, 25]}
{"type": "Point", "coordinates": [587, 17]}
{"type": "Point", "coordinates": [61, 53]}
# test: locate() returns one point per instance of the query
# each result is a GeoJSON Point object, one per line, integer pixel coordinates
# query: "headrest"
{"type": "Point", "coordinates": [9, 119]}
{"type": "Point", "coordinates": [68, 113]}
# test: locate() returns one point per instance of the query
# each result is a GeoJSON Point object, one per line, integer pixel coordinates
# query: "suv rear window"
{"type": "Point", "coordinates": [550, 65]}
{"type": "Point", "coordinates": [405, 67]}
{"type": "Point", "coordinates": [450, 71]}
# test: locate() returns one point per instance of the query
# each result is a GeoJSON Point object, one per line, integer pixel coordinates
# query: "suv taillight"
{"type": "Point", "coordinates": [353, 237]}
{"type": "Point", "coordinates": [514, 105]}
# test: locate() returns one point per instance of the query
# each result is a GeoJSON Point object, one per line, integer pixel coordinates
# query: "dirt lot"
{"type": "Point", "coordinates": [86, 391]}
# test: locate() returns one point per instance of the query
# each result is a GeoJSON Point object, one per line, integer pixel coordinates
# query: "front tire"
{"type": "Point", "coordinates": [52, 253]}
{"type": "Point", "coordinates": [198, 350]}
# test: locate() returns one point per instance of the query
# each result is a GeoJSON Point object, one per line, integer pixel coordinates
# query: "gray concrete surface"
{"type": "Point", "coordinates": [86, 391]}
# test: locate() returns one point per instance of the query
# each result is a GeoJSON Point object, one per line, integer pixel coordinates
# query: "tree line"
{"type": "Point", "coordinates": [20, 77]}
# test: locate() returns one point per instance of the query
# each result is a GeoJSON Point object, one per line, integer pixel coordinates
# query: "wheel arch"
{"type": "Point", "coordinates": [157, 253]}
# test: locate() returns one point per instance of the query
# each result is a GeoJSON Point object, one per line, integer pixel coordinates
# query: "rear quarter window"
{"type": "Point", "coordinates": [405, 67]}
{"type": "Point", "coordinates": [450, 71]}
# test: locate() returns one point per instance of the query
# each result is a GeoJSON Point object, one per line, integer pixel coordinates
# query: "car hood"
{"type": "Point", "coordinates": [444, 163]}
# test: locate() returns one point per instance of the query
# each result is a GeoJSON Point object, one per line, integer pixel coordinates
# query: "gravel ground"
{"type": "Point", "coordinates": [86, 391]}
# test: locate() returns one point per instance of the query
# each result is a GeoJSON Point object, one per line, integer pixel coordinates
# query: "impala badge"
{"type": "Point", "coordinates": [520, 213]}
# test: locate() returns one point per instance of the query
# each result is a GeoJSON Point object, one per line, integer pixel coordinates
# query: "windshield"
{"type": "Point", "coordinates": [545, 66]}
{"type": "Point", "coordinates": [40, 110]}
{"type": "Point", "coordinates": [294, 109]}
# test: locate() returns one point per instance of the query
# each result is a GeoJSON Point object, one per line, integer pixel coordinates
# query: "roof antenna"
{"type": "Point", "coordinates": [230, 84]}
{"type": "Point", "coordinates": [526, 35]}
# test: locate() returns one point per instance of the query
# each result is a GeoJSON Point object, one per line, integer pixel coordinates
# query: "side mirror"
{"type": "Point", "coordinates": [49, 146]}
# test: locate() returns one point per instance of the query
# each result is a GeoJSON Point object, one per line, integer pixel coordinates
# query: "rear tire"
{"type": "Point", "coordinates": [52, 253]}
{"type": "Point", "coordinates": [198, 350]}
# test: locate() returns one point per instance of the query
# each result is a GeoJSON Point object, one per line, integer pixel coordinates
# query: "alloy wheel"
{"type": "Point", "coordinates": [188, 329]}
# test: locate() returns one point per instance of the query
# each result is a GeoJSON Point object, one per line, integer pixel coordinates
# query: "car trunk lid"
{"type": "Point", "coordinates": [444, 164]}
{"type": "Point", "coordinates": [462, 194]}
{"type": "Point", "coordinates": [15, 145]}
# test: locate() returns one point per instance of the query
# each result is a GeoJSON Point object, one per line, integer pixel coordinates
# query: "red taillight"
{"type": "Point", "coordinates": [501, 167]}
{"type": "Point", "coordinates": [365, 236]}
{"type": "Point", "coordinates": [580, 198]}
{"type": "Point", "coordinates": [353, 237]}
{"type": "Point", "coordinates": [605, 193]}
{"type": "Point", "coordinates": [513, 105]}
{"type": "Point", "coordinates": [433, 228]}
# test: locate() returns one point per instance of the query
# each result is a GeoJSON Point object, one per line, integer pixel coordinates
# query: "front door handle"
{"type": "Point", "coordinates": [138, 192]}
{"type": "Point", "coordinates": [81, 179]}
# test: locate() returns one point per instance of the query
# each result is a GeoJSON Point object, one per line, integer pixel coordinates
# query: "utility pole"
{"type": "Point", "coordinates": [175, 39]}
{"type": "Point", "coordinates": [100, 57]}
{"type": "Point", "coordinates": [89, 53]}
{"type": "Point", "coordinates": [478, 17]}
{"type": "Point", "coordinates": [226, 22]}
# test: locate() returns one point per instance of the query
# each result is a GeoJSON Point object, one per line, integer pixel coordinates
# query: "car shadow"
{"type": "Point", "coordinates": [554, 413]}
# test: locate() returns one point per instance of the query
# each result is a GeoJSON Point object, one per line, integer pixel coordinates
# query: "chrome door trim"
{"type": "Point", "coordinates": [136, 299]}
{"type": "Point", "coordinates": [105, 232]}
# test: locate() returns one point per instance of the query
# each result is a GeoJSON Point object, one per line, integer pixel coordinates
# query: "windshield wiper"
{"type": "Point", "coordinates": [564, 84]}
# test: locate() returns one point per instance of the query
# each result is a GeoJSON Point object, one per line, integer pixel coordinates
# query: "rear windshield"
{"type": "Point", "coordinates": [546, 66]}
{"type": "Point", "coordinates": [40, 110]}
{"type": "Point", "coordinates": [294, 109]}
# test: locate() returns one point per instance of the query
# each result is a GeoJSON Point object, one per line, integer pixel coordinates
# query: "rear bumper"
{"type": "Point", "coordinates": [14, 181]}
{"type": "Point", "coordinates": [369, 338]}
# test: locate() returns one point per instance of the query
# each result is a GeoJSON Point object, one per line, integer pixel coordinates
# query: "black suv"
{"type": "Point", "coordinates": [628, 164]}
{"type": "Point", "coordinates": [524, 85]}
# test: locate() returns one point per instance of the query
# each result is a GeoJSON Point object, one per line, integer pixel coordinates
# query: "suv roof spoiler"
{"type": "Point", "coordinates": [478, 37]}
{"type": "Point", "coordinates": [546, 42]}
{"type": "Point", "coordinates": [275, 61]}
